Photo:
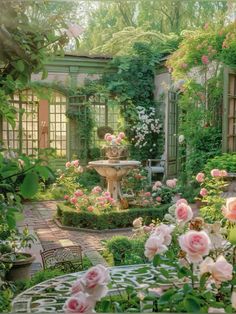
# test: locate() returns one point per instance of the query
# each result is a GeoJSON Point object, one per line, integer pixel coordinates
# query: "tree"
{"type": "Point", "coordinates": [30, 32]}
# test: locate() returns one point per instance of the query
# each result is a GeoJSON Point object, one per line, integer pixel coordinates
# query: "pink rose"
{"type": "Point", "coordinates": [78, 193]}
{"type": "Point", "coordinates": [220, 270]}
{"type": "Point", "coordinates": [183, 213]}
{"type": "Point", "coordinates": [200, 177]}
{"type": "Point", "coordinates": [165, 231]}
{"type": "Point", "coordinates": [203, 192]}
{"type": "Point", "coordinates": [182, 200]}
{"type": "Point", "coordinates": [147, 194]}
{"type": "Point", "coordinates": [75, 163]}
{"type": "Point", "coordinates": [109, 138]}
{"type": "Point", "coordinates": [158, 199]}
{"type": "Point", "coordinates": [96, 190]}
{"type": "Point", "coordinates": [121, 135]}
{"type": "Point", "coordinates": [95, 281]}
{"type": "Point", "coordinates": [79, 303]}
{"type": "Point", "coordinates": [66, 197]}
{"type": "Point", "coordinates": [77, 287]}
{"type": "Point", "coordinates": [154, 245]}
{"type": "Point", "coordinates": [107, 194]}
{"type": "Point", "coordinates": [196, 244]}
{"type": "Point", "coordinates": [157, 185]}
{"type": "Point", "coordinates": [230, 210]}
{"type": "Point", "coordinates": [215, 173]}
{"type": "Point", "coordinates": [106, 136]}
{"type": "Point", "coordinates": [73, 200]}
{"type": "Point", "coordinates": [68, 164]}
{"type": "Point", "coordinates": [205, 59]}
{"type": "Point", "coordinates": [118, 140]}
{"type": "Point", "coordinates": [138, 222]}
{"type": "Point", "coordinates": [90, 208]}
{"type": "Point", "coordinates": [223, 173]}
{"type": "Point", "coordinates": [171, 183]}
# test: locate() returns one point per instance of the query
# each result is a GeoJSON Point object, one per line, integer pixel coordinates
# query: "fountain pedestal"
{"type": "Point", "coordinates": [114, 172]}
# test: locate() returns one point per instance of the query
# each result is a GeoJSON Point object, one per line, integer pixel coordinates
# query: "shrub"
{"type": "Point", "coordinates": [126, 251]}
{"type": "Point", "coordinates": [109, 220]}
{"type": "Point", "coordinates": [225, 161]}
{"type": "Point", "coordinates": [88, 179]}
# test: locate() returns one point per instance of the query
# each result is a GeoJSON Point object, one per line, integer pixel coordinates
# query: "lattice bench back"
{"type": "Point", "coordinates": [63, 257]}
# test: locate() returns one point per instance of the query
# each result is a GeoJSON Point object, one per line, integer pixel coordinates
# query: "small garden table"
{"type": "Point", "coordinates": [49, 296]}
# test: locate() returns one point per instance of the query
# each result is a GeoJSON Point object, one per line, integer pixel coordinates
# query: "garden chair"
{"type": "Point", "coordinates": [156, 166]}
{"type": "Point", "coordinates": [68, 258]}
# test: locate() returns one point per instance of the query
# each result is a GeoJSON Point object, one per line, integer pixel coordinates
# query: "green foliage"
{"type": "Point", "coordinates": [126, 251]}
{"type": "Point", "coordinates": [111, 220]}
{"type": "Point", "coordinates": [89, 178]}
{"type": "Point", "coordinates": [225, 161]}
{"type": "Point", "coordinates": [133, 87]}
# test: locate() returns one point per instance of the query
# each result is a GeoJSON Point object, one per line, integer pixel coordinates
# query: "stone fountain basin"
{"type": "Point", "coordinates": [113, 171]}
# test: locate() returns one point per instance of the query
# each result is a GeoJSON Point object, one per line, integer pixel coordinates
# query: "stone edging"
{"type": "Point", "coordinates": [58, 223]}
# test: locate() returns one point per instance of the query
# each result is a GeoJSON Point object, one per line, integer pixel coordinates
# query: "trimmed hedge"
{"type": "Point", "coordinates": [112, 220]}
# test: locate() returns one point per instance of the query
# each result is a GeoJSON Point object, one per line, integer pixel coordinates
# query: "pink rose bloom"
{"type": "Point", "coordinates": [95, 281]}
{"type": "Point", "coordinates": [156, 185]}
{"type": "Point", "coordinates": [77, 287]}
{"type": "Point", "coordinates": [73, 200]}
{"type": "Point", "coordinates": [147, 194]}
{"type": "Point", "coordinates": [121, 135]}
{"type": "Point", "coordinates": [165, 231]}
{"type": "Point", "coordinates": [220, 270]}
{"type": "Point", "coordinates": [106, 136]}
{"type": "Point", "coordinates": [68, 164]}
{"type": "Point", "coordinates": [215, 173]}
{"type": "Point", "coordinates": [107, 194]}
{"type": "Point", "coordinates": [200, 177]}
{"type": "Point", "coordinates": [118, 140]}
{"type": "Point", "coordinates": [90, 208]}
{"type": "Point", "coordinates": [158, 199]}
{"type": "Point", "coordinates": [96, 190]}
{"type": "Point", "coordinates": [111, 200]}
{"type": "Point", "coordinates": [78, 193]}
{"type": "Point", "coordinates": [66, 197]}
{"type": "Point", "coordinates": [203, 192]}
{"type": "Point", "coordinates": [205, 59]}
{"type": "Point", "coordinates": [109, 138]}
{"type": "Point", "coordinates": [223, 173]}
{"type": "Point", "coordinates": [229, 211]}
{"type": "Point", "coordinates": [154, 245]}
{"type": "Point", "coordinates": [79, 303]}
{"type": "Point", "coordinates": [171, 183]}
{"type": "Point", "coordinates": [181, 200]}
{"type": "Point", "coordinates": [138, 222]}
{"type": "Point", "coordinates": [146, 202]}
{"type": "Point", "coordinates": [196, 244]}
{"type": "Point", "coordinates": [183, 213]}
{"type": "Point", "coordinates": [75, 163]}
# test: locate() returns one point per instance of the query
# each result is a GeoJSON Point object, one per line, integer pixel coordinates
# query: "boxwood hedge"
{"type": "Point", "coordinates": [112, 220]}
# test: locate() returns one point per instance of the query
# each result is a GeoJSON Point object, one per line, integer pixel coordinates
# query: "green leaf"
{"type": "Point", "coordinates": [20, 66]}
{"type": "Point", "coordinates": [30, 185]}
{"type": "Point", "coordinates": [192, 304]}
{"type": "Point", "coordinates": [157, 260]}
{"type": "Point", "coordinates": [43, 172]}
{"type": "Point", "coordinates": [165, 298]}
{"type": "Point", "coordinates": [232, 236]}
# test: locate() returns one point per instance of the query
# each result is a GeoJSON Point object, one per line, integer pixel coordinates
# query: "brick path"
{"type": "Point", "coordinates": [38, 216]}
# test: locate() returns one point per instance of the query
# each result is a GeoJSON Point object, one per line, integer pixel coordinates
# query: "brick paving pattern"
{"type": "Point", "coordinates": [38, 216]}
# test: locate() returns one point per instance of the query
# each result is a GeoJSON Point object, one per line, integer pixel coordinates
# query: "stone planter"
{"type": "Point", "coordinates": [115, 153]}
{"type": "Point", "coordinates": [20, 268]}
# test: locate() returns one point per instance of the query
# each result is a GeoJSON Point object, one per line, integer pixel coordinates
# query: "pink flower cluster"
{"type": "Point", "coordinates": [73, 163]}
{"type": "Point", "coordinates": [105, 198]}
{"type": "Point", "coordinates": [88, 289]}
{"type": "Point", "coordinates": [171, 183]}
{"type": "Point", "coordinates": [114, 139]}
{"type": "Point", "coordinates": [158, 241]}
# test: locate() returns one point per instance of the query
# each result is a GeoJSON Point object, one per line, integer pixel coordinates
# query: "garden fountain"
{"type": "Point", "coordinates": [114, 172]}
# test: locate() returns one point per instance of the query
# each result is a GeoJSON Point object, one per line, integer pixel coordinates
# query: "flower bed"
{"type": "Point", "coordinates": [107, 220]}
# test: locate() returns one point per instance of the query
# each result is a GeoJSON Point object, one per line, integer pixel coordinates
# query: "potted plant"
{"type": "Point", "coordinates": [12, 255]}
{"type": "Point", "coordinates": [114, 150]}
